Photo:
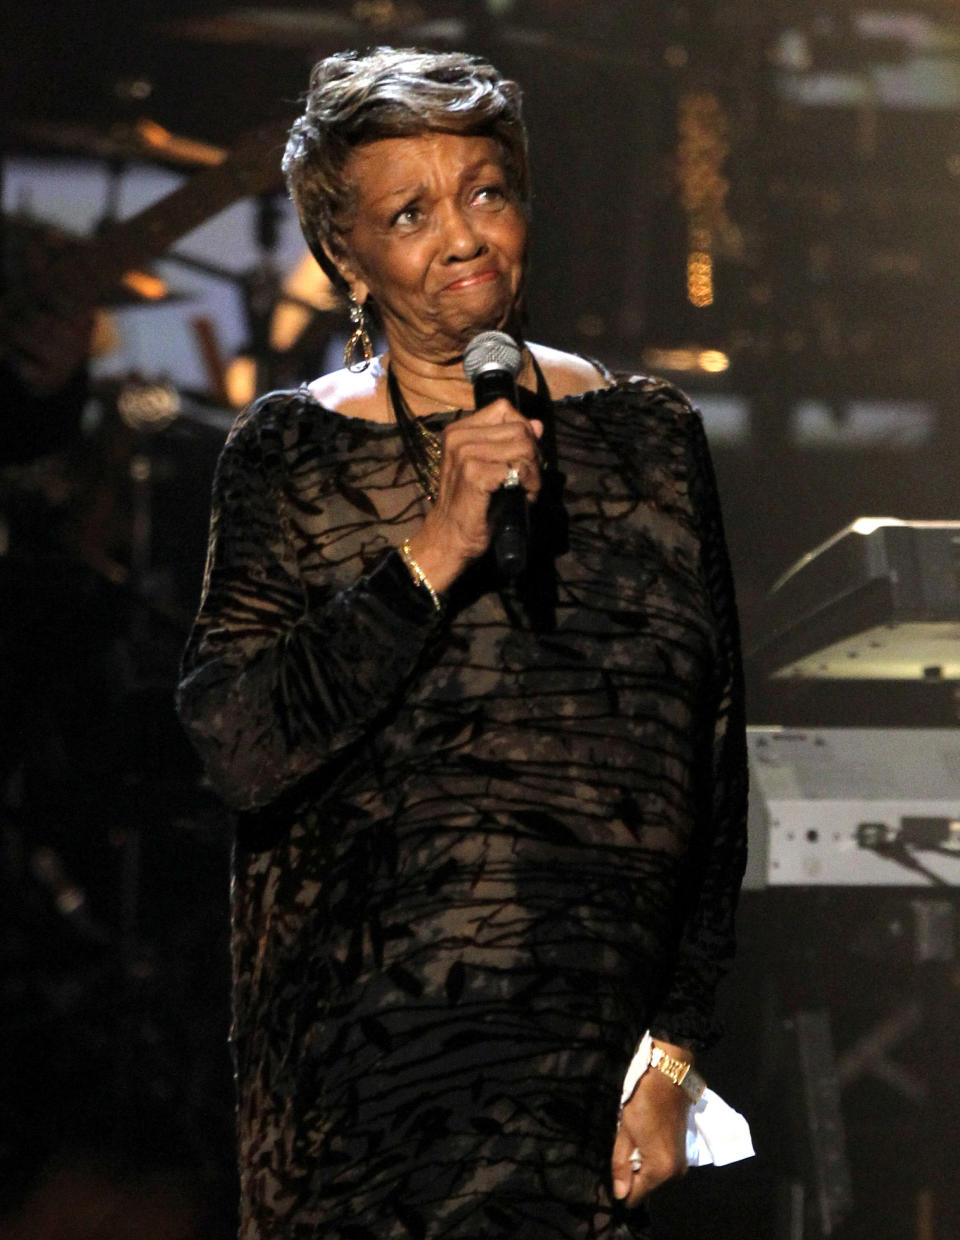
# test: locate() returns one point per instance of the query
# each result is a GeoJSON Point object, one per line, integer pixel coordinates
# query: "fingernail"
{"type": "Point", "coordinates": [620, 1189]}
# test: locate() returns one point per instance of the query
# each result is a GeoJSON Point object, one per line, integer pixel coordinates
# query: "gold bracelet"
{"type": "Point", "coordinates": [419, 576]}
{"type": "Point", "coordinates": [680, 1072]}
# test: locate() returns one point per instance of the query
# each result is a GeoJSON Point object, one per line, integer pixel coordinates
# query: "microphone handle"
{"type": "Point", "coordinates": [507, 512]}
{"type": "Point", "coordinates": [508, 515]}
{"type": "Point", "coordinates": [494, 384]}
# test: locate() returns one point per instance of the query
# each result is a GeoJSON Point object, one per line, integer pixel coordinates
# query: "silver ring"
{"type": "Point", "coordinates": [636, 1161]}
{"type": "Point", "coordinates": [513, 477]}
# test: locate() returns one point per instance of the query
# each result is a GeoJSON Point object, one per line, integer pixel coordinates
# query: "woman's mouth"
{"type": "Point", "coordinates": [480, 277]}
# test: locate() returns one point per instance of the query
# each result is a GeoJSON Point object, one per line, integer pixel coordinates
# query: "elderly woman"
{"type": "Point", "coordinates": [489, 831]}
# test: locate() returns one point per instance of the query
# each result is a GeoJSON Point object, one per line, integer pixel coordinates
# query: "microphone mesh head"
{"type": "Point", "coordinates": [492, 351]}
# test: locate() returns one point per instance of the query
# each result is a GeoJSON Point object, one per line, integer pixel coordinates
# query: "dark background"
{"type": "Point", "coordinates": [835, 246]}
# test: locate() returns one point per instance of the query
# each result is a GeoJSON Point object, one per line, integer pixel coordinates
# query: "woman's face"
{"type": "Point", "coordinates": [437, 239]}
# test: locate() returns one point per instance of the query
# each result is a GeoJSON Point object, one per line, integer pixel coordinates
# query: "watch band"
{"type": "Point", "coordinates": [680, 1072]}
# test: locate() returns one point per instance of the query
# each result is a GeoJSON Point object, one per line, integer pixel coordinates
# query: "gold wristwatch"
{"type": "Point", "coordinates": [680, 1072]}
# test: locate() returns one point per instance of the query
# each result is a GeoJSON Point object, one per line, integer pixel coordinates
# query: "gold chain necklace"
{"type": "Point", "coordinates": [422, 446]}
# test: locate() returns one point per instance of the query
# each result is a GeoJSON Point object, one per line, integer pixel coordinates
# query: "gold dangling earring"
{"type": "Point", "coordinates": [360, 339]}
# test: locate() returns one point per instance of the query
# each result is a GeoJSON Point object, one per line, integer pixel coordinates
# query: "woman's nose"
{"type": "Point", "coordinates": [460, 236]}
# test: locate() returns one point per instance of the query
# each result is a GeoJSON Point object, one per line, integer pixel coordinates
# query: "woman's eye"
{"type": "Point", "coordinates": [490, 193]}
{"type": "Point", "coordinates": [407, 216]}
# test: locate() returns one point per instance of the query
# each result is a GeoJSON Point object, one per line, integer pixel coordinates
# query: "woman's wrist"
{"type": "Point", "coordinates": [416, 571]}
{"type": "Point", "coordinates": [670, 1064]}
{"type": "Point", "coordinates": [441, 565]}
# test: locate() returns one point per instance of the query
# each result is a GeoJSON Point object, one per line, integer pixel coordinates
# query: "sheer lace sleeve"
{"type": "Point", "coordinates": [718, 845]}
{"type": "Point", "coordinates": [279, 677]}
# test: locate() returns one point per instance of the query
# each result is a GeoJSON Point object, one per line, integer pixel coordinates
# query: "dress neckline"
{"type": "Point", "coordinates": [441, 417]}
{"type": "Point", "coordinates": [438, 417]}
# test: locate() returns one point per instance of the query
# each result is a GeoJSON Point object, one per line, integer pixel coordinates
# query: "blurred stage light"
{"type": "Point", "coordinates": [241, 381]}
{"type": "Point", "coordinates": [690, 360]}
{"type": "Point", "coordinates": [308, 284]}
{"type": "Point", "coordinates": [145, 285]}
{"type": "Point", "coordinates": [700, 279]}
{"type": "Point", "coordinates": [148, 406]}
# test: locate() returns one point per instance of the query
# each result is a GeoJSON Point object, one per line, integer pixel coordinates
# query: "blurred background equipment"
{"type": "Point", "coordinates": [878, 601]}
{"type": "Point", "coordinates": [761, 202]}
{"type": "Point", "coordinates": [854, 807]}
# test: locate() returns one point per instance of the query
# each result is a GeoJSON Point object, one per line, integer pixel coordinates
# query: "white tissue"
{"type": "Point", "coordinates": [716, 1133]}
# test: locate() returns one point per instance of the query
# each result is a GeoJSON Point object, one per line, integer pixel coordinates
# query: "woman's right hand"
{"type": "Point", "coordinates": [478, 451]}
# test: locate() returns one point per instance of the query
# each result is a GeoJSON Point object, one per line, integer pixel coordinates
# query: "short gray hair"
{"type": "Point", "coordinates": [360, 97]}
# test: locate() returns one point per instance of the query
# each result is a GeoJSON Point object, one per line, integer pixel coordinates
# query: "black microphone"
{"type": "Point", "coordinates": [492, 362]}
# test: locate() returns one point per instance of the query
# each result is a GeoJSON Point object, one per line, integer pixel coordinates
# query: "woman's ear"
{"type": "Point", "coordinates": [340, 259]}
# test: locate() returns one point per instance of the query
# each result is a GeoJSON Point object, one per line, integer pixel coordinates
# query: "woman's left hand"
{"type": "Point", "coordinates": [654, 1123]}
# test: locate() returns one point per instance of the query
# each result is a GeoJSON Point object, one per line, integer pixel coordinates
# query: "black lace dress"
{"type": "Point", "coordinates": [477, 852]}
